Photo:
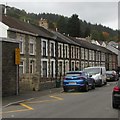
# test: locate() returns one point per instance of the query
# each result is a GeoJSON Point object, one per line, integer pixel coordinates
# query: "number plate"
{"type": "Point", "coordinates": [72, 83]}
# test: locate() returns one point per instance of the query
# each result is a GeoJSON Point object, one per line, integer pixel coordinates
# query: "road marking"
{"type": "Point", "coordinates": [40, 101]}
{"type": "Point", "coordinates": [22, 110]}
{"type": "Point", "coordinates": [58, 98]}
{"type": "Point", "coordinates": [26, 106]}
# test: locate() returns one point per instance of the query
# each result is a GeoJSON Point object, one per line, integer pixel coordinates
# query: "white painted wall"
{"type": "Point", "coordinates": [3, 30]}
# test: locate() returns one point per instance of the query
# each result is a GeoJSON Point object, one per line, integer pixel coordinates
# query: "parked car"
{"type": "Point", "coordinates": [98, 73]}
{"type": "Point", "coordinates": [78, 80]}
{"type": "Point", "coordinates": [111, 75]}
{"type": "Point", "coordinates": [116, 95]}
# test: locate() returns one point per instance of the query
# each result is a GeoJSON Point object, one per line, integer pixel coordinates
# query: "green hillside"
{"type": "Point", "coordinates": [72, 26]}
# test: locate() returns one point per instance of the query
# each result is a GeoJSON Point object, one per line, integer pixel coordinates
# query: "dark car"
{"type": "Point", "coordinates": [111, 76]}
{"type": "Point", "coordinates": [78, 80]}
{"type": "Point", "coordinates": [116, 95]}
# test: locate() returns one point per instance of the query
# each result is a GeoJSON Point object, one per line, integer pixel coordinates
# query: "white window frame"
{"type": "Point", "coordinates": [77, 52]}
{"type": "Point", "coordinates": [50, 48]}
{"type": "Point", "coordinates": [53, 67]}
{"type": "Point", "coordinates": [66, 51]}
{"type": "Point", "coordinates": [78, 64]}
{"type": "Point", "coordinates": [32, 41]}
{"type": "Point", "coordinates": [31, 64]}
{"type": "Point", "coordinates": [60, 50]}
{"type": "Point", "coordinates": [71, 64]}
{"type": "Point", "coordinates": [23, 66]}
{"type": "Point", "coordinates": [66, 67]}
{"type": "Point", "coordinates": [42, 60]}
{"type": "Point", "coordinates": [82, 65]}
{"type": "Point", "coordinates": [72, 52]}
{"type": "Point", "coordinates": [62, 66]}
{"type": "Point", "coordinates": [21, 38]}
{"type": "Point", "coordinates": [90, 54]}
{"type": "Point", "coordinates": [82, 53]}
{"type": "Point", "coordinates": [102, 56]}
{"type": "Point", "coordinates": [44, 40]}
{"type": "Point", "coordinates": [21, 50]}
{"type": "Point", "coordinates": [86, 54]}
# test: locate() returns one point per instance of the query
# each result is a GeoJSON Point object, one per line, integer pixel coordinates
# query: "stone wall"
{"type": "Point", "coordinates": [8, 67]}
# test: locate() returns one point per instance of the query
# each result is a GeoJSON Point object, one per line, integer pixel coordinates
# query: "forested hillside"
{"type": "Point", "coordinates": [72, 26]}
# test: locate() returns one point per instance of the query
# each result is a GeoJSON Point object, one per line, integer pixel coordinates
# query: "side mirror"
{"type": "Point", "coordinates": [90, 75]}
{"type": "Point", "coordinates": [119, 75]}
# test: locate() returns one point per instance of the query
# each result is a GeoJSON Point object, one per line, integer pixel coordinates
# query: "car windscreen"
{"type": "Point", "coordinates": [92, 71]}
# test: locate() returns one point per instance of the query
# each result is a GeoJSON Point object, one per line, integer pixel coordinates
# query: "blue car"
{"type": "Point", "coordinates": [78, 80]}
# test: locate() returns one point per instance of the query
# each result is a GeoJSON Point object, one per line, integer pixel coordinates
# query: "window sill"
{"type": "Point", "coordinates": [31, 54]}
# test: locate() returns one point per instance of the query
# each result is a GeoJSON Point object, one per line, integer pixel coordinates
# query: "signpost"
{"type": "Point", "coordinates": [17, 56]}
{"type": "Point", "coordinates": [17, 62]}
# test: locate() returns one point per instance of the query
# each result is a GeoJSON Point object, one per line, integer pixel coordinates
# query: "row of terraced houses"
{"type": "Point", "coordinates": [49, 54]}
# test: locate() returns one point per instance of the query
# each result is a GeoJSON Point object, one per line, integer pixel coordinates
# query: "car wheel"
{"type": "Point", "coordinates": [86, 88]}
{"type": "Point", "coordinates": [114, 105]}
{"type": "Point", "coordinates": [65, 89]}
{"type": "Point", "coordinates": [93, 86]}
{"type": "Point", "coordinates": [105, 83]}
{"type": "Point", "coordinates": [100, 84]}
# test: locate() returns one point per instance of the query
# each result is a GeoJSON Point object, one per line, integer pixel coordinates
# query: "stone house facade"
{"type": "Point", "coordinates": [48, 55]}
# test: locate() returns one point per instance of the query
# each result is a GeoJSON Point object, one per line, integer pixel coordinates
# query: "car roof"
{"type": "Point", "coordinates": [75, 71]}
{"type": "Point", "coordinates": [111, 71]}
{"type": "Point", "coordinates": [95, 67]}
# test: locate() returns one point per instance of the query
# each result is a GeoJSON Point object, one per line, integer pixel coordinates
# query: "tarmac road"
{"type": "Point", "coordinates": [93, 104]}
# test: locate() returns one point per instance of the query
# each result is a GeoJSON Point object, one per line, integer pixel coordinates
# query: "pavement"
{"type": "Point", "coordinates": [6, 101]}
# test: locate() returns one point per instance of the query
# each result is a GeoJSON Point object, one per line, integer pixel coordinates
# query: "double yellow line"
{"type": "Point", "coordinates": [28, 108]}
{"type": "Point", "coordinates": [21, 110]}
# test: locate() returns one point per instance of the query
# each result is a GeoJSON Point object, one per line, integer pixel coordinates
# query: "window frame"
{"type": "Point", "coordinates": [52, 49]}
{"type": "Point", "coordinates": [45, 68]}
{"type": "Point", "coordinates": [23, 66]}
{"type": "Point", "coordinates": [44, 48]}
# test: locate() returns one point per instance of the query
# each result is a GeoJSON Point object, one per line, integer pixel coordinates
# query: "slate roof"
{"type": "Point", "coordinates": [15, 24]}
{"type": "Point", "coordinates": [86, 44]}
{"type": "Point", "coordinates": [65, 39]}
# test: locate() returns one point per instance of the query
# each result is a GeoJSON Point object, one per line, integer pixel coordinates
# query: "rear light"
{"type": "Point", "coordinates": [116, 89]}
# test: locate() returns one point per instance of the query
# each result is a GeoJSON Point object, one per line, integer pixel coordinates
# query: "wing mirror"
{"type": "Point", "coordinates": [90, 75]}
{"type": "Point", "coordinates": [119, 74]}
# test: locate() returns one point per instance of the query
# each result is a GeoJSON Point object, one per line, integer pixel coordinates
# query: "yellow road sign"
{"type": "Point", "coordinates": [17, 56]}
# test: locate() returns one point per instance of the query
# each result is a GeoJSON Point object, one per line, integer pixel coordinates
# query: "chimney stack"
{"type": "Point", "coordinates": [5, 10]}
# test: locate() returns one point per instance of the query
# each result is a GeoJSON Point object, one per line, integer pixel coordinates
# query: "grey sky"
{"type": "Point", "coordinates": [105, 13]}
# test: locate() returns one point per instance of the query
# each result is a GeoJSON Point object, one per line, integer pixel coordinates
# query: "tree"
{"type": "Point", "coordinates": [95, 35]}
{"type": "Point", "coordinates": [51, 25]}
{"type": "Point", "coordinates": [61, 25]}
{"type": "Point", "coordinates": [87, 32]}
{"type": "Point", "coordinates": [74, 26]}
{"type": "Point", "coordinates": [105, 36]}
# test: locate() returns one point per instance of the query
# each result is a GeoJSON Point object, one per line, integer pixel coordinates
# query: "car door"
{"type": "Point", "coordinates": [89, 80]}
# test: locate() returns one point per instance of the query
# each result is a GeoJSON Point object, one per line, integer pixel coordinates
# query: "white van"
{"type": "Point", "coordinates": [98, 73]}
